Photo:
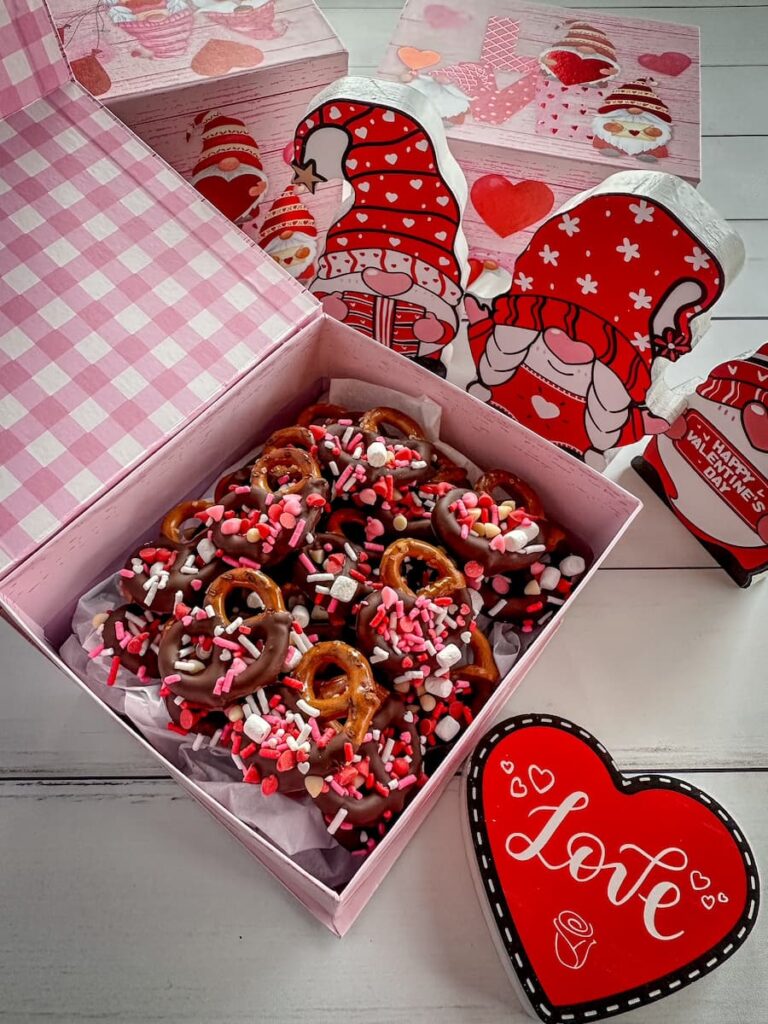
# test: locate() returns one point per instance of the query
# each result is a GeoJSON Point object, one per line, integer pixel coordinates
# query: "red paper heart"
{"type": "Point", "coordinates": [573, 69]}
{"type": "Point", "coordinates": [668, 63]}
{"type": "Point", "coordinates": [594, 882]}
{"type": "Point", "coordinates": [506, 207]}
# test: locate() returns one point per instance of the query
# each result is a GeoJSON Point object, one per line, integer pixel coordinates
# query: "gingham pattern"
{"type": "Point", "coordinates": [127, 303]}
{"type": "Point", "coordinates": [31, 60]}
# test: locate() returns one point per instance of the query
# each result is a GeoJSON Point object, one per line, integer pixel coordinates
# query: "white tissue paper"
{"type": "Point", "coordinates": [294, 824]}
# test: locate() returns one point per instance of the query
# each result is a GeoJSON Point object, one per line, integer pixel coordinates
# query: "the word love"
{"type": "Point", "coordinates": [587, 860]}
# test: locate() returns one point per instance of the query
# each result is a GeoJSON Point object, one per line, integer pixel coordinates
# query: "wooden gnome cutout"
{"type": "Point", "coordinates": [393, 264]}
{"type": "Point", "coordinates": [610, 289]}
{"type": "Point", "coordinates": [602, 893]}
{"type": "Point", "coordinates": [711, 466]}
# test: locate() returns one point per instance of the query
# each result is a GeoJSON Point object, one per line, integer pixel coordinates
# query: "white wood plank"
{"type": "Point", "coordinates": [662, 657]}
{"type": "Point", "coordinates": [673, 675]}
{"type": "Point", "coordinates": [143, 909]}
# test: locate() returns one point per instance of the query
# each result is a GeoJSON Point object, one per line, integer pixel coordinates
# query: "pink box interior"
{"type": "Point", "coordinates": [41, 593]}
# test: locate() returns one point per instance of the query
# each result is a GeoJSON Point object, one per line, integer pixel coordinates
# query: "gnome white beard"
{"type": "Point", "coordinates": [281, 250]}
{"type": "Point", "coordinates": [607, 401]}
{"type": "Point", "coordinates": [631, 145]}
{"type": "Point", "coordinates": [696, 500]}
{"type": "Point", "coordinates": [447, 98]}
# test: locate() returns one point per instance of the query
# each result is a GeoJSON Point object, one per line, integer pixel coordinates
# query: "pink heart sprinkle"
{"type": "Point", "coordinates": [497, 543]}
{"type": "Point", "coordinates": [215, 512]}
{"type": "Point", "coordinates": [230, 527]}
{"type": "Point", "coordinates": [389, 597]}
{"type": "Point", "coordinates": [373, 528]}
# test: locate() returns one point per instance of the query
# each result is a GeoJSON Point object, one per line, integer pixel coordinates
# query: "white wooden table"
{"type": "Point", "coordinates": [120, 900]}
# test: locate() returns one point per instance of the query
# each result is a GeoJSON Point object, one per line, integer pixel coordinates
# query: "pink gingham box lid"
{"type": "Point", "coordinates": [127, 303]}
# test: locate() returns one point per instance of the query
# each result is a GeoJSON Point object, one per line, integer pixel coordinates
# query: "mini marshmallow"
{"type": "Point", "coordinates": [207, 550]}
{"type": "Point", "coordinates": [449, 655]}
{"type": "Point", "coordinates": [515, 540]}
{"type": "Point", "coordinates": [300, 615]}
{"type": "Point", "coordinates": [377, 454]}
{"type": "Point", "coordinates": [447, 728]}
{"type": "Point", "coordinates": [400, 522]}
{"type": "Point", "coordinates": [256, 729]}
{"type": "Point", "coordinates": [344, 589]}
{"type": "Point", "coordinates": [573, 565]}
{"type": "Point", "coordinates": [438, 687]}
{"type": "Point", "coordinates": [549, 578]}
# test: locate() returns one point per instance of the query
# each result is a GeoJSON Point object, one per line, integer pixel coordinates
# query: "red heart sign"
{"type": "Point", "coordinates": [506, 207]}
{"type": "Point", "coordinates": [573, 69]}
{"type": "Point", "coordinates": [668, 63]}
{"type": "Point", "coordinates": [605, 892]}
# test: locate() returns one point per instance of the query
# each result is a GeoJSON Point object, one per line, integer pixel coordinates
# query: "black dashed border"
{"type": "Point", "coordinates": [584, 1013]}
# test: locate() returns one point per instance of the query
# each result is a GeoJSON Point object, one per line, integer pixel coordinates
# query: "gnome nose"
{"type": "Point", "coordinates": [386, 284]}
{"type": "Point", "coordinates": [229, 163]}
{"type": "Point", "coordinates": [566, 349]}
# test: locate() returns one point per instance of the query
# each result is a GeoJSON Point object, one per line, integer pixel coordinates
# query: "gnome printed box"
{"type": "Point", "coordinates": [540, 103]}
{"type": "Point", "coordinates": [711, 466]}
{"type": "Point", "coordinates": [215, 88]}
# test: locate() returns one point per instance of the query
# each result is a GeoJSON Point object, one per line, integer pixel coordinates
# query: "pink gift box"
{"type": "Point", "coordinates": [158, 64]}
{"type": "Point", "coordinates": [521, 88]}
{"type": "Point", "coordinates": [132, 375]}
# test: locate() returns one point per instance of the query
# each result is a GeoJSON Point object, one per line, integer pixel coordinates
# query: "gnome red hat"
{"type": "Point", "coordinates": [287, 214]}
{"type": "Point", "coordinates": [229, 172]}
{"type": "Point", "coordinates": [740, 383]}
{"type": "Point", "coordinates": [583, 56]}
{"type": "Point", "coordinates": [405, 222]}
{"type": "Point", "coordinates": [587, 39]}
{"type": "Point", "coordinates": [621, 274]}
{"type": "Point", "coordinates": [637, 97]}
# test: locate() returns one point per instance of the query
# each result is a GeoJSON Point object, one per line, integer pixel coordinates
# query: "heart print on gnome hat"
{"type": "Point", "coordinates": [608, 285]}
{"type": "Point", "coordinates": [711, 466]}
{"type": "Point", "coordinates": [602, 893]}
{"type": "Point", "coordinates": [229, 171]}
{"type": "Point", "coordinates": [394, 260]}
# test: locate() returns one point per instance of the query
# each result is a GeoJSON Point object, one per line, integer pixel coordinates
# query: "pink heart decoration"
{"type": "Point", "coordinates": [669, 63]}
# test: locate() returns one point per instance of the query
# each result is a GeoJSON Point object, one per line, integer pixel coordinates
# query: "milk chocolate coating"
{"type": "Point", "coordinates": [165, 599]}
{"type": "Point", "coordinates": [129, 660]}
{"type": "Point", "coordinates": [237, 545]}
{"type": "Point", "coordinates": [273, 628]}
{"type": "Point", "coordinates": [474, 548]}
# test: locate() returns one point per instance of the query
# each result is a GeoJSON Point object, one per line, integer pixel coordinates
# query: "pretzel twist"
{"type": "Point", "coordinates": [243, 579]}
{"type": "Point", "coordinates": [449, 580]}
{"type": "Point", "coordinates": [520, 491]}
{"type": "Point", "coordinates": [357, 700]}
{"type": "Point", "coordinates": [290, 437]}
{"type": "Point", "coordinates": [174, 519]}
{"type": "Point", "coordinates": [321, 413]}
{"type": "Point", "coordinates": [294, 462]}
{"type": "Point", "coordinates": [373, 419]}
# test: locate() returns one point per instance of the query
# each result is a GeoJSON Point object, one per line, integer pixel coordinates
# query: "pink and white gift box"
{"type": "Point", "coordinates": [541, 102]}
{"type": "Point", "coordinates": [146, 344]}
{"type": "Point", "coordinates": [159, 64]}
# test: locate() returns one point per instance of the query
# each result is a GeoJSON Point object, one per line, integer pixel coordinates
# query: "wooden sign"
{"type": "Point", "coordinates": [394, 261]}
{"type": "Point", "coordinates": [609, 288]}
{"type": "Point", "coordinates": [711, 466]}
{"type": "Point", "coordinates": [603, 893]}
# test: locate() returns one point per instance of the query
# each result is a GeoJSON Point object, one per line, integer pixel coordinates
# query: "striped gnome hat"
{"type": "Point", "coordinates": [743, 384]}
{"type": "Point", "coordinates": [618, 273]}
{"type": "Point", "coordinates": [287, 214]}
{"type": "Point", "coordinates": [584, 55]}
{"type": "Point", "coordinates": [228, 150]}
{"type": "Point", "coordinates": [637, 97]}
{"type": "Point", "coordinates": [403, 217]}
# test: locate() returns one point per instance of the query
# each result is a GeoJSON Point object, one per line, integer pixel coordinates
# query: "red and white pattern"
{"type": "Point", "coordinates": [602, 290]}
{"type": "Point", "coordinates": [127, 304]}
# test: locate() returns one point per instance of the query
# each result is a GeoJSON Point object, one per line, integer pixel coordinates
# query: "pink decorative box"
{"type": "Point", "coordinates": [160, 65]}
{"type": "Point", "coordinates": [541, 103]}
{"type": "Point", "coordinates": [145, 344]}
